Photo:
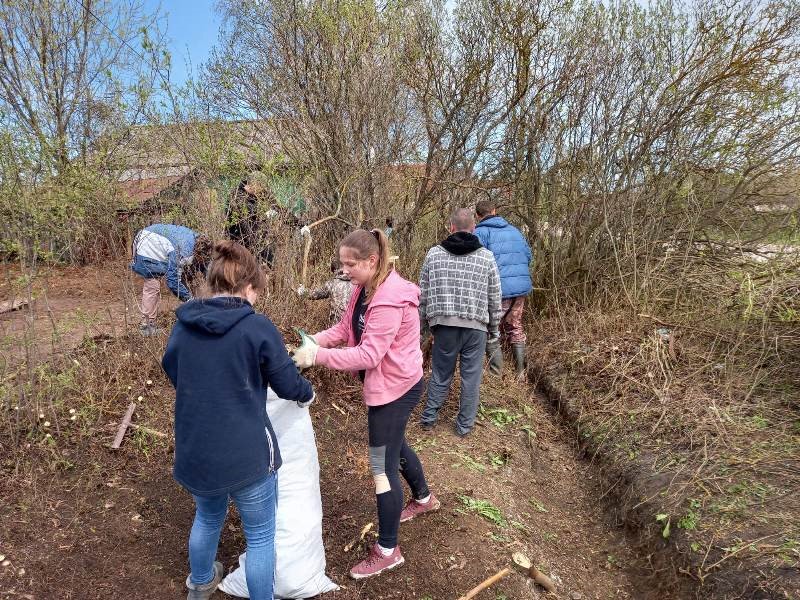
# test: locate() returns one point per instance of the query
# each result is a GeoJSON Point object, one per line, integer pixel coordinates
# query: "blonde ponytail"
{"type": "Point", "coordinates": [366, 243]}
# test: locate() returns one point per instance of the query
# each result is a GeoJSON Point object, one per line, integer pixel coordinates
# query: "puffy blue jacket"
{"type": "Point", "coordinates": [511, 252]}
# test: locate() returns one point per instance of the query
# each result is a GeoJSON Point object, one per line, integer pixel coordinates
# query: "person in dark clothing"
{"type": "Point", "coordinates": [220, 357]}
{"type": "Point", "coordinates": [460, 303]}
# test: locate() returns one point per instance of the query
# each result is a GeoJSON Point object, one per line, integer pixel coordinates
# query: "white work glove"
{"type": "Point", "coordinates": [301, 290]}
{"type": "Point", "coordinates": [305, 356]}
{"type": "Point", "coordinates": [307, 403]}
{"type": "Point", "coordinates": [305, 230]}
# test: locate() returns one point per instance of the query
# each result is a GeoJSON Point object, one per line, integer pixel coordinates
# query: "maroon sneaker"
{"type": "Point", "coordinates": [376, 563]}
{"type": "Point", "coordinates": [414, 508]}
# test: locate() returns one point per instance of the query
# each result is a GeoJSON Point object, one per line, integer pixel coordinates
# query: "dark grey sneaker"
{"type": "Point", "coordinates": [205, 591]}
{"type": "Point", "coordinates": [148, 330]}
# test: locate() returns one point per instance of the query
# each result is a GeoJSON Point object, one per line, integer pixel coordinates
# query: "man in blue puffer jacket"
{"type": "Point", "coordinates": [166, 251]}
{"type": "Point", "coordinates": [513, 256]}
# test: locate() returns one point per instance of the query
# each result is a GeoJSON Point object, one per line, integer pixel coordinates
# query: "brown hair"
{"type": "Point", "coordinates": [484, 207]}
{"type": "Point", "coordinates": [203, 246]}
{"type": "Point", "coordinates": [365, 244]}
{"type": "Point", "coordinates": [336, 264]}
{"type": "Point", "coordinates": [232, 268]}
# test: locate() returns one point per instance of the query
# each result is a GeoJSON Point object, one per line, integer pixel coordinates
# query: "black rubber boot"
{"type": "Point", "coordinates": [519, 357]}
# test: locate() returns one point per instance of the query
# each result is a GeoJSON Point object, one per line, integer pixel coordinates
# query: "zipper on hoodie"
{"type": "Point", "coordinates": [271, 451]}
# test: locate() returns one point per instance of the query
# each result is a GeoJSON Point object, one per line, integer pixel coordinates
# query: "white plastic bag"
{"type": "Point", "coordinates": [299, 553]}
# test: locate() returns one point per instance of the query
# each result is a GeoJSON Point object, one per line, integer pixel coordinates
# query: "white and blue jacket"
{"type": "Point", "coordinates": [162, 250]}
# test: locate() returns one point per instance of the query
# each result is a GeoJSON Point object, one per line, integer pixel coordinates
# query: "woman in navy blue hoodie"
{"type": "Point", "coordinates": [220, 357]}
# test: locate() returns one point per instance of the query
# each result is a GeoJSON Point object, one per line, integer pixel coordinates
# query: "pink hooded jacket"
{"type": "Point", "coordinates": [389, 351]}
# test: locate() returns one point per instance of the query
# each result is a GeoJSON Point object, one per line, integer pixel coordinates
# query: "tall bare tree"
{"type": "Point", "coordinates": [72, 69]}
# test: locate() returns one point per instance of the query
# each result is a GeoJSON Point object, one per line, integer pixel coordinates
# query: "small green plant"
{"type": "Point", "coordinates": [521, 526]}
{"type": "Point", "coordinates": [498, 460]}
{"type": "Point", "coordinates": [471, 463]}
{"type": "Point", "coordinates": [500, 417]}
{"type": "Point", "coordinates": [537, 505]}
{"type": "Point", "coordinates": [143, 441]}
{"type": "Point", "coordinates": [549, 537]}
{"type": "Point", "coordinates": [692, 517]}
{"type": "Point", "coordinates": [664, 519]}
{"type": "Point", "coordinates": [485, 509]}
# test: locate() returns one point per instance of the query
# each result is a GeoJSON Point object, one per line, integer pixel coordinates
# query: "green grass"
{"type": "Point", "coordinates": [485, 509]}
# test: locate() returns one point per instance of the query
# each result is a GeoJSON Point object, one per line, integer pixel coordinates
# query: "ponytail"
{"type": "Point", "coordinates": [365, 244]}
{"type": "Point", "coordinates": [384, 267]}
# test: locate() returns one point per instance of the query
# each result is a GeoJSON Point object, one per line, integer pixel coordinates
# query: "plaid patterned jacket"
{"type": "Point", "coordinates": [466, 287]}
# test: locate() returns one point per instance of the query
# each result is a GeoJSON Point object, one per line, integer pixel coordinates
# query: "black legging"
{"type": "Point", "coordinates": [391, 456]}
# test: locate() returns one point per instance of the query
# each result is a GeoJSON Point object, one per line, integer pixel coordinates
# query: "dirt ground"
{"type": "Point", "coordinates": [81, 521]}
{"type": "Point", "coordinates": [62, 305]}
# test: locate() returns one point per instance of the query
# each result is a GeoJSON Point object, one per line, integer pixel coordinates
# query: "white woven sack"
{"type": "Point", "coordinates": [299, 552]}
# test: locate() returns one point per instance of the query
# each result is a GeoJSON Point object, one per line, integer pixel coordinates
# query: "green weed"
{"type": "Point", "coordinates": [664, 519]}
{"type": "Point", "coordinates": [470, 463]}
{"type": "Point", "coordinates": [485, 509]}
{"type": "Point", "coordinates": [500, 417]}
{"type": "Point", "coordinates": [537, 505]}
{"type": "Point", "coordinates": [692, 517]}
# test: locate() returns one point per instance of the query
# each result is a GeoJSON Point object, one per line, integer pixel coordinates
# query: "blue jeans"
{"type": "Point", "coordinates": [256, 504]}
{"type": "Point", "coordinates": [450, 343]}
{"type": "Point", "coordinates": [147, 267]}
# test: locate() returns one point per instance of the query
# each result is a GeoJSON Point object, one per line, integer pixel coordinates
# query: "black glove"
{"type": "Point", "coordinates": [495, 355]}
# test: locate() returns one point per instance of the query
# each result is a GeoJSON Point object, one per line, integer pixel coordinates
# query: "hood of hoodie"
{"type": "Point", "coordinates": [214, 315]}
{"type": "Point", "coordinates": [395, 291]}
{"type": "Point", "coordinates": [461, 242]}
{"type": "Point", "coordinates": [493, 221]}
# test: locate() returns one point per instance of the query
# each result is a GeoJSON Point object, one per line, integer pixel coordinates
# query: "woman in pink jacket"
{"type": "Point", "coordinates": [380, 330]}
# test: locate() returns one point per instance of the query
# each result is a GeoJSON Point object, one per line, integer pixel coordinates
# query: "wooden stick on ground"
{"type": "Point", "coordinates": [148, 430]}
{"type": "Point", "coordinates": [123, 427]}
{"type": "Point", "coordinates": [364, 531]}
{"type": "Point", "coordinates": [485, 584]}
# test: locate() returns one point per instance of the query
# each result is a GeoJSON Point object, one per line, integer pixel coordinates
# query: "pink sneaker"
{"type": "Point", "coordinates": [414, 508]}
{"type": "Point", "coordinates": [376, 563]}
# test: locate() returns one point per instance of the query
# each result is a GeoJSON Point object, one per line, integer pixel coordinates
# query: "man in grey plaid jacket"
{"type": "Point", "coordinates": [460, 303]}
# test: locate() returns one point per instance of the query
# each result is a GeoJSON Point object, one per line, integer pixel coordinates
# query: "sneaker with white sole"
{"type": "Point", "coordinates": [376, 563]}
{"type": "Point", "coordinates": [415, 508]}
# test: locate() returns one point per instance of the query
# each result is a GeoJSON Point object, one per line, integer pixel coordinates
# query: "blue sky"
{"type": "Point", "coordinates": [191, 30]}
